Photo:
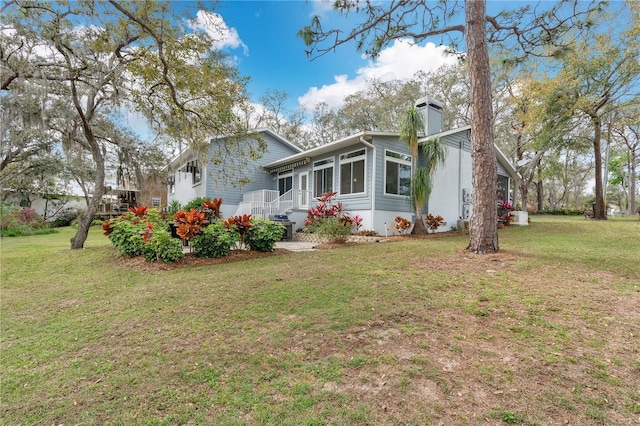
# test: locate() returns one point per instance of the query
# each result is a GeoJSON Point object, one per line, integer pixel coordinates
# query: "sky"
{"type": "Point", "coordinates": [261, 39]}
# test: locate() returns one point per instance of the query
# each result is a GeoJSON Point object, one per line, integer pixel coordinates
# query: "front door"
{"type": "Point", "coordinates": [303, 180]}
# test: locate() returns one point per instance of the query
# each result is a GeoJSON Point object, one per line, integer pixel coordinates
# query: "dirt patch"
{"type": "Point", "coordinates": [190, 260]}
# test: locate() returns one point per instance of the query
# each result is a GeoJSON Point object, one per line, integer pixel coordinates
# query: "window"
{"type": "Point", "coordinates": [172, 184]}
{"type": "Point", "coordinates": [155, 201]}
{"type": "Point", "coordinates": [285, 181]}
{"type": "Point", "coordinates": [195, 175]}
{"type": "Point", "coordinates": [397, 179]}
{"type": "Point", "coordinates": [352, 172]}
{"type": "Point", "coordinates": [322, 177]}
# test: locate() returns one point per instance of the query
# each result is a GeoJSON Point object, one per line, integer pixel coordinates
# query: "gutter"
{"type": "Point", "coordinates": [373, 180]}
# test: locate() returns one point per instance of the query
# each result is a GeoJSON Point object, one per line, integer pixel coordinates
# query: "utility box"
{"type": "Point", "coordinates": [520, 218]}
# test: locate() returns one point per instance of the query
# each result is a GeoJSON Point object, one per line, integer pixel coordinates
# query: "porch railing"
{"type": "Point", "coordinates": [266, 203]}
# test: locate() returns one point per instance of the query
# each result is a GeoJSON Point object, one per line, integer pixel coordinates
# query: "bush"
{"type": "Point", "coordinates": [433, 222]}
{"type": "Point", "coordinates": [15, 221]}
{"type": "Point", "coordinates": [329, 220]}
{"type": "Point", "coordinates": [65, 217]}
{"type": "Point", "coordinates": [195, 204]}
{"type": "Point", "coordinates": [129, 231]}
{"type": "Point", "coordinates": [216, 241]}
{"type": "Point", "coordinates": [126, 236]}
{"type": "Point", "coordinates": [163, 247]}
{"type": "Point", "coordinates": [263, 235]}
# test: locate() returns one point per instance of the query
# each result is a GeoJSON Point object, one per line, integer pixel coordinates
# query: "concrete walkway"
{"type": "Point", "coordinates": [295, 245]}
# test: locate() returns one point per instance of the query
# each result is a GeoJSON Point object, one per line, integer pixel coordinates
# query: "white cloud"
{"type": "Point", "coordinates": [223, 36]}
{"type": "Point", "coordinates": [399, 61]}
{"type": "Point", "coordinates": [321, 7]}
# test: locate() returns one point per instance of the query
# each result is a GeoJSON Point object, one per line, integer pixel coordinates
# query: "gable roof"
{"type": "Point", "coordinates": [187, 154]}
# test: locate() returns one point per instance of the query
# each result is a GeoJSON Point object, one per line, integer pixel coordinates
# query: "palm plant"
{"type": "Point", "coordinates": [434, 154]}
{"type": "Point", "coordinates": [411, 128]}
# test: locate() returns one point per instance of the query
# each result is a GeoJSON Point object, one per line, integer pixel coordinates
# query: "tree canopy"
{"type": "Point", "coordinates": [91, 64]}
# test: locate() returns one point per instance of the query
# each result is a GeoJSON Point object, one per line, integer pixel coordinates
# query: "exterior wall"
{"type": "Point", "coordinates": [450, 180]}
{"type": "Point", "coordinates": [231, 189]}
{"type": "Point", "coordinates": [185, 190]}
{"type": "Point", "coordinates": [39, 204]}
{"type": "Point", "coordinates": [387, 206]}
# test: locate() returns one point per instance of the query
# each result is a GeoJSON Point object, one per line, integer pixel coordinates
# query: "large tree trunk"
{"type": "Point", "coordinates": [85, 219]}
{"type": "Point", "coordinates": [600, 212]}
{"type": "Point", "coordinates": [540, 190]}
{"type": "Point", "coordinates": [483, 229]}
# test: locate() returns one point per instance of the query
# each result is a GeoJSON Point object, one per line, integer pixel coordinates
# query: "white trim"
{"type": "Point", "coordinates": [397, 161]}
{"type": "Point", "coordinates": [304, 192]}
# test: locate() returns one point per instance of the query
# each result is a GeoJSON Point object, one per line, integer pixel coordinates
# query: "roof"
{"type": "Point", "coordinates": [348, 141]}
{"type": "Point", "coordinates": [187, 153]}
{"type": "Point", "coordinates": [330, 147]}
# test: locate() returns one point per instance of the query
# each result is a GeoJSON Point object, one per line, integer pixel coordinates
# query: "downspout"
{"type": "Point", "coordinates": [373, 180]}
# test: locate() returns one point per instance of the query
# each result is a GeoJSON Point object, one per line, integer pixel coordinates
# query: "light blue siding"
{"type": "Point", "coordinates": [252, 177]}
{"type": "Point", "coordinates": [396, 203]}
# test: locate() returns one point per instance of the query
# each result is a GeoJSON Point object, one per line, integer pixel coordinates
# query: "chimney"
{"type": "Point", "coordinates": [431, 110]}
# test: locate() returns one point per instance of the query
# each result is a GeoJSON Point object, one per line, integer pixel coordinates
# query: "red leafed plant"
{"type": "Point", "coordinates": [139, 211]}
{"type": "Point", "coordinates": [402, 224]}
{"type": "Point", "coordinates": [212, 208]}
{"type": "Point", "coordinates": [147, 232]}
{"type": "Point", "coordinates": [106, 227]}
{"type": "Point", "coordinates": [433, 222]}
{"type": "Point", "coordinates": [241, 224]}
{"type": "Point", "coordinates": [189, 224]}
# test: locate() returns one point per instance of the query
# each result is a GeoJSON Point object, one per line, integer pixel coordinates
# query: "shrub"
{"type": "Point", "coordinates": [402, 224]}
{"type": "Point", "coordinates": [129, 231]}
{"type": "Point", "coordinates": [215, 241]}
{"type": "Point", "coordinates": [504, 212]}
{"type": "Point", "coordinates": [241, 225]}
{"type": "Point", "coordinates": [263, 235]}
{"type": "Point", "coordinates": [8, 216]}
{"type": "Point", "coordinates": [161, 246]}
{"type": "Point", "coordinates": [16, 221]}
{"type": "Point", "coordinates": [328, 219]}
{"type": "Point", "coordinates": [190, 223]}
{"type": "Point", "coordinates": [195, 204]}
{"type": "Point", "coordinates": [433, 222]}
{"type": "Point", "coordinates": [125, 234]}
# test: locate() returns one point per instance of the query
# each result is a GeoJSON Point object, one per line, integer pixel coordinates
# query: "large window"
{"type": "Point", "coordinates": [285, 181]}
{"type": "Point", "coordinates": [397, 179]}
{"type": "Point", "coordinates": [352, 172]}
{"type": "Point", "coordinates": [322, 177]}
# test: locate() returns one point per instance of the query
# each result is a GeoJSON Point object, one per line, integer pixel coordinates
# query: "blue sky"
{"type": "Point", "coordinates": [262, 40]}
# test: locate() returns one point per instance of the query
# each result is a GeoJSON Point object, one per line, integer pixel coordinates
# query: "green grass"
{"type": "Point", "coordinates": [411, 332]}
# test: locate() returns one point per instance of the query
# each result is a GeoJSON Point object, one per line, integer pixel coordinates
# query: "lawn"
{"type": "Point", "coordinates": [406, 332]}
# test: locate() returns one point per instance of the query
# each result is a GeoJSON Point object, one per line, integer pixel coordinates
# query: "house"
{"type": "Point", "coordinates": [370, 172]}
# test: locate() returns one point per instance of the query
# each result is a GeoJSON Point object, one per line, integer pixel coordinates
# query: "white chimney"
{"type": "Point", "coordinates": [431, 110]}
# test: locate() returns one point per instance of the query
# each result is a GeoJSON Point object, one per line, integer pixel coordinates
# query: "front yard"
{"type": "Point", "coordinates": [406, 332]}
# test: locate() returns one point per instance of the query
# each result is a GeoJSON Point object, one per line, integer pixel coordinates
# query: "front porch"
{"type": "Point", "coordinates": [269, 203]}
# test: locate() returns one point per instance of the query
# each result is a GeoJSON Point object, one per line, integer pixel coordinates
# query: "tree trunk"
{"type": "Point", "coordinates": [540, 189]}
{"type": "Point", "coordinates": [524, 193]}
{"type": "Point", "coordinates": [419, 228]}
{"type": "Point", "coordinates": [600, 212]}
{"type": "Point", "coordinates": [632, 183]}
{"type": "Point", "coordinates": [483, 228]}
{"type": "Point", "coordinates": [85, 219]}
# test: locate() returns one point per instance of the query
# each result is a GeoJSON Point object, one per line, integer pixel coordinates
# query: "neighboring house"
{"type": "Point", "coordinates": [370, 172]}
